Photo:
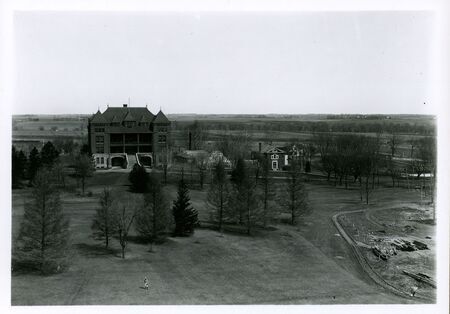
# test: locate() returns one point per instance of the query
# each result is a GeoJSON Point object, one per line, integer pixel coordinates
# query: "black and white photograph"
{"type": "Point", "coordinates": [235, 157]}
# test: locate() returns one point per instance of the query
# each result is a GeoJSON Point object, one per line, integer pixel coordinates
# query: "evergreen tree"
{"type": "Point", "coordinates": [43, 235]}
{"type": "Point", "coordinates": [105, 217]}
{"type": "Point", "coordinates": [85, 150]}
{"type": "Point", "coordinates": [239, 172]}
{"type": "Point", "coordinates": [18, 166]}
{"type": "Point", "coordinates": [185, 216]}
{"type": "Point", "coordinates": [152, 221]}
{"type": "Point", "coordinates": [34, 163]}
{"type": "Point", "coordinates": [49, 154]}
{"type": "Point", "coordinates": [139, 179]}
{"type": "Point", "coordinates": [83, 169]}
{"type": "Point", "coordinates": [308, 166]}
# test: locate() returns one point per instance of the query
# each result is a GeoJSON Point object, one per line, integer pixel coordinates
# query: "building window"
{"type": "Point", "coordinates": [130, 124]}
{"type": "Point", "coordinates": [163, 129]}
{"type": "Point", "coordinates": [99, 130]}
{"type": "Point", "coordinates": [274, 156]}
{"type": "Point", "coordinates": [99, 139]}
{"type": "Point", "coordinates": [162, 138]}
{"type": "Point", "coordinates": [97, 160]}
{"type": "Point", "coordinates": [274, 165]}
{"type": "Point", "coordinates": [99, 149]}
{"type": "Point", "coordinates": [102, 160]}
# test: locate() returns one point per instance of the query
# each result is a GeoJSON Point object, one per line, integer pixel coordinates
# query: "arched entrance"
{"type": "Point", "coordinates": [118, 161]}
{"type": "Point", "coordinates": [145, 160]}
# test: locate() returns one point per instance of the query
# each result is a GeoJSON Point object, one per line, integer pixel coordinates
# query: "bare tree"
{"type": "Point", "coordinates": [425, 161]}
{"type": "Point", "coordinates": [413, 143]}
{"type": "Point", "coordinates": [393, 143]}
{"type": "Point", "coordinates": [267, 191]}
{"type": "Point", "coordinates": [394, 171]}
{"type": "Point", "coordinates": [347, 147]}
{"type": "Point", "coordinates": [105, 217]}
{"type": "Point", "coordinates": [325, 146]}
{"type": "Point", "coordinates": [377, 160]}
{"type": "Point", "coordinates": [126, 212]}
{"type": "Point", "coordinates": [218, 194]}
{"type": "Point", "coordinates": [59, 175]}
{"type": "Point", "coordinates": [201, 162]}
{"type": "Point", "coordinates": [368, 161]}
{"type": "Point", "coordinates": [309, 150]}
{"type": "Point", "coordinates": [198, 136]}
{"type": "Point", "coordinates": [234, 146]}
{"type": "Point", "coordinates": [245, 196]}
{"type": "Point", "coordinates": [295, 199]}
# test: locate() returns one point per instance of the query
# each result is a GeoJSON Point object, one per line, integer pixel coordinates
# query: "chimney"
{"type": "Point", "coordinates": [125, 105]}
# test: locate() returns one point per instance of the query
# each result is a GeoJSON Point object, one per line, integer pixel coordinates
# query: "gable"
{"type": "Point", "coordinates": [275, 150]}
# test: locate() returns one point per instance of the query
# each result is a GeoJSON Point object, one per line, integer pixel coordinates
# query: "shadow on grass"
{"type": "Point", "coordinates": [237, 229]}
{"type": "Point", "coordinates": [95, 250]}
{"type": "Point", "coordinates": [138, 239]}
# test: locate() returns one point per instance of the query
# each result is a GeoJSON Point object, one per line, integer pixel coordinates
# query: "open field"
{"type": "Point", "coordinates": [306, 264]}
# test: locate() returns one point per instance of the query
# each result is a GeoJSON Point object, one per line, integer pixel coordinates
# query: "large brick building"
{"type": "Point", "coordinates": [123, 135]}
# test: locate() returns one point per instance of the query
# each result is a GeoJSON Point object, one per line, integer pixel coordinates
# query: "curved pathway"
{"type": "Point", "coordinates": [363, 261]}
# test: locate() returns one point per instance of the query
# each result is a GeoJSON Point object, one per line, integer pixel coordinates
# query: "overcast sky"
{"type": "Point", "coordinates": [355, 62]}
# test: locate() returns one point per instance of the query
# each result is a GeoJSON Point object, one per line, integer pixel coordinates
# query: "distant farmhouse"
{"type": "Point", "coordinates": [122, 136]}
{"type": "Point", "coordinates": [279, 158]}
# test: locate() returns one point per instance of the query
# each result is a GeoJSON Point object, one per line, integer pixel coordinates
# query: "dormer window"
{"type": "Point", "coordinates": [274, 156]}
{"type": "Point", "coordinates": [130, 124]}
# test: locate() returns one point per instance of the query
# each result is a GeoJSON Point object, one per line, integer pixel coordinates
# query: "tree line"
{"type": "Point", "coordinates": [347, 126]}
{"type": "Point", "coordinates": [346, 159]}
{"type": "Point", "coordinates": [248, 197]}
{"type": "Point", "coordinates": [24, 168]}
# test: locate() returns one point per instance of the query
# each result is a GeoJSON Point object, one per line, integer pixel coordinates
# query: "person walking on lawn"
{"type": "Point", "coordinates": [145, 283]}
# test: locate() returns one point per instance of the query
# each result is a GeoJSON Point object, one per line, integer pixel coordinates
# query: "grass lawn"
{"type": "Point", "coordinates": [306, 264]}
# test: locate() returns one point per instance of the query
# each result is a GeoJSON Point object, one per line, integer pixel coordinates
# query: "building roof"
{"type": "Point", "coordinates": [274, 150]}
{"type": "Point", "coordinates": [115, 120]}
{"type": "Point", "coordinates": [161, 118]}
{"type": "Point", "coordinates": [120, 114]}
{"type": "Point", "coordinates": [129, 117]}
{"type": "Point", "coordinates": [98, 118]}
{"type": "Point", "coordinates": [145, 118]}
